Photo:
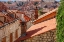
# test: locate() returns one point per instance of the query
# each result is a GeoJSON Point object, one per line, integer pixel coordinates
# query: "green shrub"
{"type": "Point", "coordinates": [60, 22]}
{"type": "Point", "coordinates": [40, 11]}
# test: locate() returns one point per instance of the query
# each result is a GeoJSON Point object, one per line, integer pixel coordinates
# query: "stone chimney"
{"type": "Point", "coordinates": [23, 26]}
{"type": "Point", "coordinates": [22, 18]}
{"type": "Point", "coordinates": [36, 13]}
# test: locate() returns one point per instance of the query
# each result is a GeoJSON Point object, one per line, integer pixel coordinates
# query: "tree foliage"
{"type": "Point", "coordinates": [60, 22]}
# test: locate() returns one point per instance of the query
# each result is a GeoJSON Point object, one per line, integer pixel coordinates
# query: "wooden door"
{"type": "Point", "coordinates": [16, 33]}
{"type": "Point", "coordinates": [11, 37]}
{"type": "Point", "coordinates": [4, 39]}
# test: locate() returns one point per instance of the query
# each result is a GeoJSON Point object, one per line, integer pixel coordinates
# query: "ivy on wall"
{"type": "Point", "coordinates": [60, 22]}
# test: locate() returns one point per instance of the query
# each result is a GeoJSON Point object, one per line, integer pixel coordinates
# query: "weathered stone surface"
{"type": "Point", "coordinates": [49, 36]}
{"type": "Point", "coordinates": [10, 28]}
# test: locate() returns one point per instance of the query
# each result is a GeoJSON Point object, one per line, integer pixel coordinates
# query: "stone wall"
{"type": "Point", "coordinates": [49, 36]}
{"type": "Point", "coordinates": [8, 29]}
{"type": "Point", "coordinates": [29, 24]}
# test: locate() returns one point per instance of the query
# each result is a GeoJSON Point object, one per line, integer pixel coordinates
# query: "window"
{"type": "Point", "coordinates": [16, 33]}
{"type": "Point", "coordinates": [11, 37]}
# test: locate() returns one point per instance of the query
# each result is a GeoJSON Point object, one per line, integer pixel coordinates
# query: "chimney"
{"type": "Point", "coordinates": [36, 13]}
{"type": "Point", "coordinates": [22, 18]}
{"type": "Point", "coordinates": [23, 26]}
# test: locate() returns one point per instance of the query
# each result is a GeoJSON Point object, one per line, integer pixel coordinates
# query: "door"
{"type": "Point", "coordinates": [4, 39]}
{"type": "Point", "coordinates": [11, 37]}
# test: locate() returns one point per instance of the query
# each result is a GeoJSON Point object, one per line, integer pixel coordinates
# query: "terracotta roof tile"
{"type": "Point", "coordinates": [9, 19]}
{"type": "Point", "coordinates": [12, 11]}
{"type": "Point", "coordinates": [2, 7]}
{"type": "Point", "coordinates": [27, 18]}
{"type": "Point", "coordinates": [20, 21]}
{"type": "Point", "coordinates": [39, 28]}
{"type": "Point", "coordinates": [18, 13]}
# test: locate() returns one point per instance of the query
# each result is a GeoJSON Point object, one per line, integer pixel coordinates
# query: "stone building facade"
{"type": "Point", "coordinates": [49, 36]}
{"type": "Point", "coordinates": [10, 32]}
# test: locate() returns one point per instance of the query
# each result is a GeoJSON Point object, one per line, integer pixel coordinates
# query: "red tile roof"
{"type": "Point", "coordinates": [20, 21]}
{"type": "Point", "coordinates": [39, 28]}
{"type": "Point", "coordinates": [8, 18]}
{"type": "Point", "coordinates": [46, 16]}
{"type": "Point", "coordinates": [18, 13]}
{"type": "Point", "coordinates": [26, 17]}
{"type": "Point", "coordinates": [2, 6]}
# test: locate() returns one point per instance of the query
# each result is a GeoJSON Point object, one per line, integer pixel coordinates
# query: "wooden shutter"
{"type": "Point", "coordinates": [11, 37]}
{"type": "Point", "coordinates": [16, 33]}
